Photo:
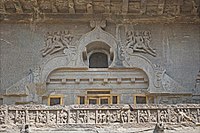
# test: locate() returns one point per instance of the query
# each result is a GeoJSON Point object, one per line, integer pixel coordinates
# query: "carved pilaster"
{"type": "Point", "coordinates": [194, 8]}
{"type": "Point", "coordinates": [178, 7]}
{"type": "Point", "coordinates": [77, 116]}
{"type": "Point", "coordinates": [138, 116]}
{"type": "Point", "coordinates": [68, 117]}
{"type": "Point", "coordinates": [158, 116]}
{"type": "Point", "coordinates": [143, 6]}
{"type": "Point", "coordinates": [71, 7]}
{"type": "Point", "coordinates": [125, 6]}
{"type": "Point", "coordinates": [18, 6]}
{"type": "Point", "coordinates": [27, 116]}
{"type": "Point", "coordinates": [107, 6]}
{"type": "Point", "coordinates": [96, 116]}
{"type": "Point", "coordinates": [2, 7]}
{"type": "Point", "coordinates": [48, 121]}
{"type": "Point", "coordinates": [161, 6]}
{"type": "Point", "coordinates": [6, 115]}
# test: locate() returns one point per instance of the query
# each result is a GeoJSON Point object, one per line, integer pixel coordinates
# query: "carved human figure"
{"type": "Point", "coordinates": [2, 117]}
{"type": "Point", "coordinates": [66, 38]}
{"type": "Point", "coordinates": [92, 117]}
{"type": "Point", "coordinates": [124, 116]}
{"type": "Point", "coordinates": [82, 116]}
{"type": "Point", "coordinates": [147, 40]}
{"type": "Point", "coordinates": [101, 117]}
{"type": "Point", "coordinates": [73, 117]}
{"type": "Point", "coordinates": [115, 116]}
{"type": "Point", "coordinates": [63, 116]}
{"type": "Point", "coordinates": [130, 39]}
{"type": "Point", "coordinates": [11, 117]}
{"type": "Point", "coordinates": [57, 45]}
{"type": "Point", "coordinates": [143, 116]}
{"type": "Point", "coordinates": [56, 41]}
{"type": "Point", "coordinates": [139, 42]}
{"type": "Point", "coordinates": [20, 118]}
{"type": "Point", "coordinates": [184, 116]}
{"type": "Point", "coordinates": [52, 118]}
{"type": "Point", "coordinates": [173, 116]}
{"type": "Point", "coordinates": [42, 117]}
{"type": "Point", "coordinates": [164, 116]}
{"type": "Point", "coordinates": [133, 117]}
{"type": "Point", "coordinates": [48, 43]}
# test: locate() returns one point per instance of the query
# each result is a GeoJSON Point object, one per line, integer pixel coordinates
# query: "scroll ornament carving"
{"type": "Point", "coordinates": [139, 41]}
{"type": "Point", "coordinates": [159, 72]}
{"type": "Point", "coordinates": [56, 41]}
{"type": "Point", "coordinates": [98, 23]}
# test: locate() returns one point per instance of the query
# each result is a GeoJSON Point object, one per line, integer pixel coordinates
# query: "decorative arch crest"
{"type": "Point", "coordinates": [96, 35]}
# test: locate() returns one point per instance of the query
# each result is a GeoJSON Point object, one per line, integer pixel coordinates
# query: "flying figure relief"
{"type": "Point", "coordinates": [140, 42]}
{"type": "Point", "coordinates": [56, 42]}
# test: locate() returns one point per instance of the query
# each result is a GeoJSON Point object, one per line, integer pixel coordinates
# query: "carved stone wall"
{"type": "Point", "coordinates": [40, 115]}
{"type": "Point", "coordinates": [39, 37]}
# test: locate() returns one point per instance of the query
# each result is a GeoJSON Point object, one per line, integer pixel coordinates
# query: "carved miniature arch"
{"type": "Point", "coordinates": [96, 35]}
{"type": "Point", "coordinates": [138, 61]}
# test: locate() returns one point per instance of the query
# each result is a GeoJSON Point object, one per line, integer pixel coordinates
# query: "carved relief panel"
{"type": "Point", "coordinates": [139, 41]}
{"type": "Point", "coordinates": [56, 41]}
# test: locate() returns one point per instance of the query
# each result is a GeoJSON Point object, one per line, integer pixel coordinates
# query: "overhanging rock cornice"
{"type": "Point", "coordinates": [113, 18]}
{"type": "Point", "coordinates": [83, 9]}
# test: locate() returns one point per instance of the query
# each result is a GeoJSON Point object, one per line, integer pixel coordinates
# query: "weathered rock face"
{"type": "Point", "coordinates": [78, 52]}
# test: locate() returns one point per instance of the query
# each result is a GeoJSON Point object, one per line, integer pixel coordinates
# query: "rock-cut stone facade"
{"type": "Point", "coordinates": [99, 52]}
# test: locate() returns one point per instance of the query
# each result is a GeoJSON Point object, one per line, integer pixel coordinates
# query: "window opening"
{"type": "Point", "coordinates": [98, 60]}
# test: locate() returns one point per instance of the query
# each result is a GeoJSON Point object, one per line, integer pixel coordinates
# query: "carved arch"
{"type": "Point", "coordinates": [138, 61]}
{"type": "Point", "coordinates": [96, 35]}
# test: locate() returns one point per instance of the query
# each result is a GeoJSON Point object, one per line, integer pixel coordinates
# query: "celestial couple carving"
{"type": "Point", "coordinates": [139, 41]}
{"type": "Point", "coordinates": [56, 41]}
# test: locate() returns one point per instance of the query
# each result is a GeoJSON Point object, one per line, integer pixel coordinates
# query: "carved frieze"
{"type": "Point", "coordinates": [139, 41]}
{"type": "Point", "coordinates": [56, 41]}
{"type": "Point", "coordinates": [139, 7]}
{"type": "Point", "coordinates": [97, 114]}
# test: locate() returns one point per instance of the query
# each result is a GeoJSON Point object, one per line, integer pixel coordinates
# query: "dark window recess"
{"type": "Point", "coordinates": [104, 101]}
{"type": "Point", "coordinates": [82, 100]}
{"type": "Point", "coordinates": [92, 101]}
{"type": "Point", "coordinates": [98, 92]}
{"type": "Point", "coordinates": [98, 60]}
{"type": "Point", "coordinates": [55, 101]}
{"type": "Point", "coordinates": [140, 100]}
{"type": "Point", "coordinates": [114, 99]}
{"type": "Point", "coordinates": [1, 101]}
